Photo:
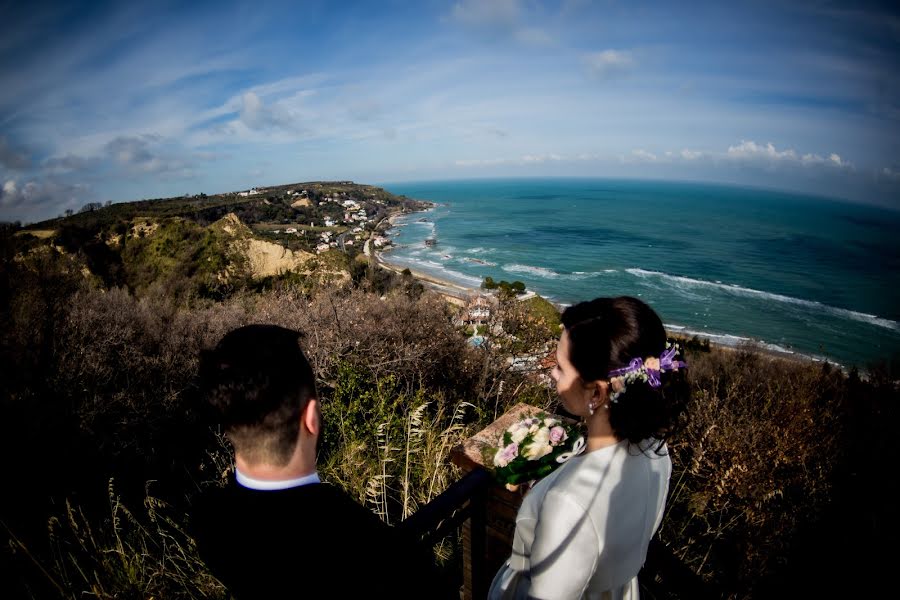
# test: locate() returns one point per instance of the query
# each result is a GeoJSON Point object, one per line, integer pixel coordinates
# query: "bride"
{"type": "Point", "coordinates": [583, 531]}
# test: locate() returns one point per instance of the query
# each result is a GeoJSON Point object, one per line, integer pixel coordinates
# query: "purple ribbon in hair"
{"type": "Point", "coordinates": [635, 365]}
{"type": "Point", "coordinates": [666, 363]}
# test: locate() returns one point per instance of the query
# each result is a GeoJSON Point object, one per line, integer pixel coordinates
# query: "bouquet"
{"type": "Point", "coordinates": [533, 448]}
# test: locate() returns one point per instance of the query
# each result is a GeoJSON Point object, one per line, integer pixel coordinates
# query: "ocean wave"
{"type": "Point", "coordinates": [749, 292]}
{"type": "Point", "coordinates": [480, 250]}
{"type": "Point", "coordinates": [735, 341]}
{"type": "Point", "coordinates": [479, 262]}
{"type": "Point", "coordinates": [536, 271]}
{"type": "Point", "coordinates": [545, 273]}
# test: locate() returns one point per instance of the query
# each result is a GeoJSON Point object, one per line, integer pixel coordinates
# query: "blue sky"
{"type": "Point", "coordinates": [130, 100]}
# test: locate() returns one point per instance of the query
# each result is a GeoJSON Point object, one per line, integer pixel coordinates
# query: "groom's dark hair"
{"type": "Point", "coordinates": [258, 381]}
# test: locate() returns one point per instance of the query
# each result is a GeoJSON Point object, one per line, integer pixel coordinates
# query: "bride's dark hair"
{"type": "Point", "coordinates": [605, 334]}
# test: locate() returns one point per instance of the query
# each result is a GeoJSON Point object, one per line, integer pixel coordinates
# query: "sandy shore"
{"type": "Point", "coordinates": [454, 292]}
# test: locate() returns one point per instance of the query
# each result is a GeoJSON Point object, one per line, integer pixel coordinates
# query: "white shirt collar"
{"type": "Point", "coordinates": [267, 485]}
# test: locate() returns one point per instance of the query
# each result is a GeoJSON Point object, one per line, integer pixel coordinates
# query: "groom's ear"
{"type": "Point", "coordinates": [311, 418]}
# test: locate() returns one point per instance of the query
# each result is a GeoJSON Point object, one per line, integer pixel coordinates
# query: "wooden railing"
{"type": "Point", "coordinates": [485, 513]}
{"type": "Point", "coordinates": [663, 577]}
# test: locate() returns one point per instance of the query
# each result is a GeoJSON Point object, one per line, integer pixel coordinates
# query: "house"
{"type": "Point", "coordinates": [477, 311]}
{"type": "Point", "coordinates": [291, 230]}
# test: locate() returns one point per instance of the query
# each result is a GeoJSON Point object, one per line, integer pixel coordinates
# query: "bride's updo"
{"type": "Point", "coordinates": [606, 334]}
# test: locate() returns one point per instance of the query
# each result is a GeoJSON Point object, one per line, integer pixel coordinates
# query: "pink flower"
{"type": "Point", "coordinates": [557, 435]}
{"type": "Point", "coordinates": [503, 458]}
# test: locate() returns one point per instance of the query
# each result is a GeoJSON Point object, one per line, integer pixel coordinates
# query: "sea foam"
{"type": "Point", "coordinates": [680, 281]}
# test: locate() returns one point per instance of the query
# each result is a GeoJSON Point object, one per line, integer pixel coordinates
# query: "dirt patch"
{"type": "Point", "coordinates": [268, 259]}
{"type": "Point", "coordinates": [301, 202]}
{"type": "Point", "coordinates": [145, 228]}
{"type": "Point", "coordinates": [41, 234]}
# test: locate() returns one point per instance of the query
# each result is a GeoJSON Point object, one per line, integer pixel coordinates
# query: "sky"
{"type": "Point", "coordinates": [116, 101]}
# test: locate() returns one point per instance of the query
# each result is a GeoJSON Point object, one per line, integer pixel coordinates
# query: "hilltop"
{"type": "Point", "coordinates": [222, 242]}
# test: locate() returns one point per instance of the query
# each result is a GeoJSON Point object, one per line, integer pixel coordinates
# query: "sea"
{"type": "Point", "coordinates": [789, 273]}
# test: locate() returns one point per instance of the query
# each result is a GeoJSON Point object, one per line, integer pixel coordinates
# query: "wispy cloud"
{"type": "Point", "coordinates": [139, 154]}
{"type": "Point", "coordinates": [609, 63]}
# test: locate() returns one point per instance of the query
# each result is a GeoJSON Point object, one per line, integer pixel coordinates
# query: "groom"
{"type": "Point", "coordinates": [276, 530]}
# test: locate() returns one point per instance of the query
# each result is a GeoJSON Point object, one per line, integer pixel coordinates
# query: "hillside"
{"type": "Point", "coordinates": [215, 245]}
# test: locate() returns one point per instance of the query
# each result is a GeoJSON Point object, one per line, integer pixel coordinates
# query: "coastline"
{"type": "Point", "coordinates": [452, 291]}
{"type": "Point", "coordinates": [459, 294]}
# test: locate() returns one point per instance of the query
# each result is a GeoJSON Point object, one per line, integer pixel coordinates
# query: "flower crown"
{"type": "Point", "coordinates": [647, 370]}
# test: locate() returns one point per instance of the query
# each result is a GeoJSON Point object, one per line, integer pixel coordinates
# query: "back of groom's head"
{"type": "Point", "coordinates": [258, 381]}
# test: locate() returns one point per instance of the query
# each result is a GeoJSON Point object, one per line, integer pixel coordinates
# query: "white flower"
{"type": "Point", "coordinates": [536, 450]}
{"type": "Point", "coordinates": [541, 436]}
{"type": "Point", "coordinates": [548, 422]}
{"type": "Point", "coordinates": [518, 434]}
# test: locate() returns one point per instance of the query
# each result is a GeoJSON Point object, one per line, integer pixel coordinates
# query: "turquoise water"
{"type": "Point", "coordinates": [797, 273]}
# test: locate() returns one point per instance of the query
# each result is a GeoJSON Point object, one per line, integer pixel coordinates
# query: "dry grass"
{"type": "Point", "coordinates": [101, 384]}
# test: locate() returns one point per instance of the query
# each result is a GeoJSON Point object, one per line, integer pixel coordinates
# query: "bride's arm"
{"type": "Point", "coordinates": [565, 550]}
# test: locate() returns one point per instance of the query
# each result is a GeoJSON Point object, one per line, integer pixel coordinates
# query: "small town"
{"type": "Point", "coordinates": [322, 217]}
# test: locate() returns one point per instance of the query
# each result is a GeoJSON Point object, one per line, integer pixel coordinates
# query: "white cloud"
{"type": "Point", "coordinates": [750, 151]}
{"type": "Point", "coordinates": [609, 63]}
{"type": "Point", "coordinates": [255, 115]}
{"type": "Point", "coordinates": [644, 155]}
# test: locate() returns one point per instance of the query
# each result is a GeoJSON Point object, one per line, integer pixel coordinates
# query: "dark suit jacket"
{"type": "Point", "coordinates": [312, 541]}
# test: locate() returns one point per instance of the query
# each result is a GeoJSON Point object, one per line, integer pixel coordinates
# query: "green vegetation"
{"type": "Point", "coordinates": [505, 287]}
